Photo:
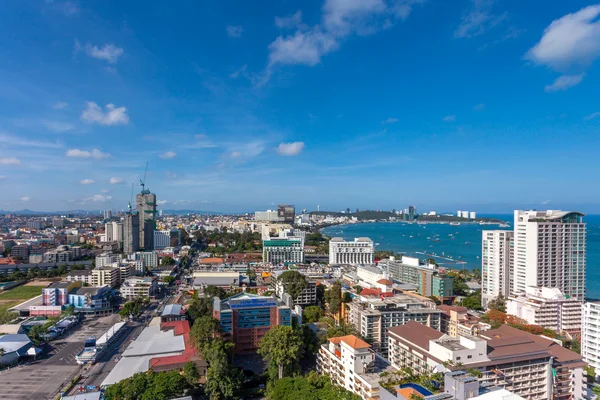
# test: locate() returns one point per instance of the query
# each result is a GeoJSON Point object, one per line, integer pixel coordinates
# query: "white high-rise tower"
{"type": "Point", "coordinates": [496, 264]}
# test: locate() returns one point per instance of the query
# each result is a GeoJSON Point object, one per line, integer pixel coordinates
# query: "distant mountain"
{"type": "Point", "coordinates": [27, 212]}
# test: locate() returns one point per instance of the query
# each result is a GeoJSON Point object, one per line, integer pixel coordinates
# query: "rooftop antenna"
{"type": "Point", "coordinates": [143, 182]}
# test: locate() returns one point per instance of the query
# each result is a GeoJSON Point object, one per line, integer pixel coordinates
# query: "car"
{"type": "Point", "coordinates": [117, 359]}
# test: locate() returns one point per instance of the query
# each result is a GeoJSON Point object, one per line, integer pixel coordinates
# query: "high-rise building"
{"type": "Point", "coordinates": [107, 214]}
{"type": "Point", "coordinates": [161, 239]}
{"type": "Point", "coordinates": [114, 232]}
{"type": "Point", "coordinates": [550, 251]}
{"type": "Point", "coordinates": [359, 251]}
{"type": "Point", "coordinates": [145, 204]}
{"type": "Point", "coordinates": [590, 334]}
{"type": "Point", "coordinates": [497, 252]}
{"type": "Point", "coordinates": [286, 212]}
{"type": "Point", "coordinates": [283, 250]}
{"type": "Point", "coordinates": [131, 232]}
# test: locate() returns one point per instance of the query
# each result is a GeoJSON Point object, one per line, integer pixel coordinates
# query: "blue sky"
{"type": "Point", "coordinates": [481, 104]}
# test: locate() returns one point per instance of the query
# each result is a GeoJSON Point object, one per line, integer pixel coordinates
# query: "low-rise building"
{"type": "Point", "coordinates": [348, 360]}
{"type": "Point", "coordinates": [106, 276]}
{"type": "Point", "coordinates": [370, 274]}
{"type": "Point", "coordinates": [456, 321]}
{"type": "Point", "coordinates": [547, 307]}
{"type": "Point", "coordinates": [373, 315]}
{"type": "Point", "coordinates": [246, 318]}
{"type": "Point", "coordinates": [221, 279]}
{"type": "Point", "coordinates": [132, 288]}
{"type": "Point", "coordinates": [80, 275]}
{"type": "Point", "coordinates": [15, 346]}
{"type": "Point", "coordinates": [429, 279]}
{"type": "Point", "coordinates": [107, 258]}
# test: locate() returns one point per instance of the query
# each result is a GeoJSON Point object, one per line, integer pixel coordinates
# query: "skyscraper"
{"type": "Point", "coordinates": [496, 264]}
{"type": "Point", "coordinates": [550, 251]}
{"type": "Point", "coordinates": [286, 212]}
{"type": "Point", "coordinates": [114, 232]}
{"type": "Point", "coordinates": [131, 232]}
{"type": "Point", "coordinates": [145, 204]}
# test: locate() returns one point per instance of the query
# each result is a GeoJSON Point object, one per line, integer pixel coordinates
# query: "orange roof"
{"type": "Point", "coordinates": [351, 341]}
{"type": "Point", "coordinates": [386, 282]}
{"type": "Point", "coordinates": [212, 260]}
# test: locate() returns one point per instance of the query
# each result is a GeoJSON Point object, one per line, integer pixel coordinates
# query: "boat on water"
{"type": "Point", "coordinates": [504, 226]}
{"type": "Point", "coordinates": [454, 223]}
{"type": "Point", "coordinates": [376, 244]}
{"type": "Point", "coordinates": [467, 242]}
{"type": "Point", "coordinates": [411, 236]}
{"type": "Point", "coordinates": [436, 240]}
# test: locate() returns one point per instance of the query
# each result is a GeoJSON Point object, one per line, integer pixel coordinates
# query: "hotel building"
{"type": "Point", "coordinates": [590, 334]}
{"type": "Point", "coordinates": [496, 264]}
{"type": "Point", "coordinates": [358, 252]}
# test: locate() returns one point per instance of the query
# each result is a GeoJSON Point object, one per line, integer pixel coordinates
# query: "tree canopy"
{"type": "Point", "coordinates": [205, 329]}
{"type": "Point", "coordinates": [499, 304]}
{"type": "Point", "coordinates": [293, 282]}
{"type": "Point", "coordinates": [312, 314]}
{"type": "Point", "coordinates": [281, 346]}
{"type": "Point", "coordinates": [333, 297]}
{"type": "Point", "coordinates": [148, 386]}
{"type": "Point", "coordinates": [311, 387]}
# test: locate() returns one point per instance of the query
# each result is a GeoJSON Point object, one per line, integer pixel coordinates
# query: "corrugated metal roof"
{"type": "Point", "coordinates": [172, 309]}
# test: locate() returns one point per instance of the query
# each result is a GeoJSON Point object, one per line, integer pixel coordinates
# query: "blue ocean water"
{"type": "Point", "coordinates": [457, 246]}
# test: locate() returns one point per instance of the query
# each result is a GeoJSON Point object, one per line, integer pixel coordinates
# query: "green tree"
{"type": "Point", "coordinates": [472, 302]}
{"type": "Point", "coordinates": [169, 279]}
{"type": "Point", "coordinates": [333, 297]}
{"type": "Point", "coordinates": [204, 330]}
{"type": "Point", "coordinates": [474, 372]}
{"type": "Point", "coordinates": [358, 289]}
{"type": "Point", "coordinates": [310, 387]}
{"type": "Point", "coordinates": [191, 374]}
{"type": "Point", "coordinates": [281, 346]}
{"type": "Point", "coordinates": [312, 314]}
{"type": "Point", "coordinates": [293, 282]}
{"type": "Point", "coordinates": [69, 310]}
{"type": "Point", "coordinates": [251, 274]}
{"type": "Point", "coordinates": [222, 380]}
{"type": "Point", "coordinates": [499, 303]}
{"type": "Point", "coordinates": [214, 291]}
{"type": "Point", "coordinates": [167, 260]}
{"type": "Point", "coordinates": [6, 316]}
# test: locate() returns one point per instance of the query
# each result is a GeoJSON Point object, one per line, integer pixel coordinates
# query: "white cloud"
{"type": "Point", "coordinates": [289, 22]}
{"type": "Point", "coordinates": [569, 40]}
{"type": "Point", "coordinates": [545, 202]}
{"type": "Point", "coordinates": [115, 180]}
{"type": "Point", "coordinates": [564, 82]}
{"type": "Point", "coordinates": [168, 155]}
{"type": "Point", "coordinates": [479, 107]}
{"type": "Point", "coordinates": [25, 198]}
{"type": "Point", "coordinates": [97, 198]}
{"type": "Point", "coordinates": [61, 105]}
{"type": "Point", "coordinates": [10, 161]}
{"type": "Point", "coordinates": [478, 20]}
{"type": "Point", "coordinates": [592, 116]}
{"type": "Point", "coordinates": [17, 141]}
{"type": "Point", "coordinates": [58, 126]}
{"type": "Point", "coordinates": [109, 53]}
{"type": "Point", "coordinates": [290, 149]}
{"type": "Point", "coordinates": [390, 121]}
{"type": "Point", "coordinates": [449, 118]}
{"type": "Point", "coordinates": [161, 202]}
{"type": "Point", "coordinates": [340, 18]}
{"type": "Point", "coordinates": [237, 73]}
{"type": "Point", "coordinates": [234, 31]}
{"type": "Point", "coordinates": [87, 181]}
{"type": "Point", "coordinates": [95, 154]}
{"type": "Point", "coordinates": [112, 116]}
{"type": "Point", "coordinates": [235, 154]}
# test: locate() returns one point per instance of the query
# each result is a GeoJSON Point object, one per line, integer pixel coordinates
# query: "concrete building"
{"type": "Point", "coordinates": [373, 315]}
{"type": "Point", "coordinates": [550, 251]}
{"type": "Point", "coordinates": [370, 275]}
{"type": "Point", "coordinates": [145, 204]}
{"type": "Point", "coordinates": [590, 334]}
{"type": "Point", "coordinates": [203, 279]}
{"type": "Point", "coordinates": [107, 214]}
{"type": "Point", "coordinates": [306, 298]}
{"type": "Point", "coordinates": [81, 275]}
{"type": "Point", "coordinates": [106, 276]}
{"type": "Point", "coordinates": [20, 251]}
{"type": "Point", "coordinates": [246, 318]}
{"type": "Point", "coordinates": [283, 250]}
{"type": "Point", "coordinates": [497, 258]}
{"type": "Point", "coordinates": [525, 364]}
{"type": "Point", "coordinates": [456, 321]}
{"type": "Point", "coordinates": [15, 346]}
{"type": "Point", "coordinates": [349, 360]}
{"type": "Point", "coordinates": [132, 288]}
{"type": "Point", "coordinates": [268, 216]}
{"type": "Point", "coordinates": [36, 224]}
{"type": "Point", "coordinates": [126, 270]}
{"type": "Point", "coordinates": [427, 278]}
{"type": "Point", "coordinates": [131, 232]}
{"type": "Point", "coordinates": [58, 256]}
{"type": "Point", "coordinates": [358, 252]}
{"type": "Point", "coordinates": [162, 239]}
{"type": "Point", "coordinates": [547, 307]}
{"type": "Point", "coordinates": [107, 258]}
{"type": "Point", "coordinates": [150, 258]}
{"type": "Point", "coordinates": [114, 232]}
{"type": "Point", "coordinates": [286, 213]}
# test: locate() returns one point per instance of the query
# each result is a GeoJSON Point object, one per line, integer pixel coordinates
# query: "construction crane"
{"type": "Point", "coordinates": [143, 182]}
{"type": "Point", "coordinates": [131, 199]}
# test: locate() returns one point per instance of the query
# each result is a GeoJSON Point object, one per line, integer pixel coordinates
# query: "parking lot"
{"type": "Point", "coordinates": [44, 377]}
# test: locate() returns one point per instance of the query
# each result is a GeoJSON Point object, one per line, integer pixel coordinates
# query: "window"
{"type": "Point", "coordinates": [469, 357]}
{"type": "Point", "coordinates": [457, 358]}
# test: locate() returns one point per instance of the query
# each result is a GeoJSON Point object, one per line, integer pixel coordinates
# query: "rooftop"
{"type": "Point", "coordinates": [352, 341]}
{"type": "Point", "coordinates": [172, 309]}
{"type": "Point", "coordinates": [416, 333]}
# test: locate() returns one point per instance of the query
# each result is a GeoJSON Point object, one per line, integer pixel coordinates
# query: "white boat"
{"type": "Point", "coordinates": [455, 223]}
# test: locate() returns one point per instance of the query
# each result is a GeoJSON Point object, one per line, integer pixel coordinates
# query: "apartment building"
{"type": "Point", "coordinates": [428, 278]}
{"type": "Point", "coordinates": [497, 258]}
{"type": "Point", "coordinates": [550, 251]}
{"type": "Point", "coordinates": [370, 274]}
{"type": "Point", "coordinates": [456, 321]}
{"type": "Point", "coordinates": [82, 275]}
{"type": "Point", "coordinates": [283, 250]}
{"type": "Point", "coordinates": [372, 316]}
{"type": "Point", "coordinates": [246, 318]}
{"type": "Point", "coordinates": [138, 287]}
{"type": "Point", "coordinates": [106, 276]}
{"type": "Point", "coordinates": [150, 258]}
{"type": "Point", "coordinates": [590, 334]}
{"type": "Point", "coordinates": [20, 251]}
{"type": "Point", "coordinates": [306, 298]}
{"type": "Point", "coordinates": [107, 258]}
{"type": "Point", "coordinates": [360, 251]}
{"type": "Point", "coordinates": [350, 363]}
{"type": "Point", "coordinates": [547, 307]}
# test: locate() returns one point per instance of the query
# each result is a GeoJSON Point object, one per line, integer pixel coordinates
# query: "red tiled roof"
{"type": "Point", "coordinates": [211, 260]}
{"type": "Point", "coordinates": [189, 354]}
{"type": "Point", "coordinates": [351, 341]}
{"type": "Point", "coordinates": [386, 282]}
{"type": "Point", "coordinates": [180, 327]}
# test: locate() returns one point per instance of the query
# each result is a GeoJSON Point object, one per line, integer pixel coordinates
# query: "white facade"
{"type": "Point", "coordinates": [348, 360]}
{"type": "Point", "coordinates": [496, 262]}
{"type": "Point", "coordinates": [283, 250]}
{"type": "Point", "coordinates": [162, 239]}
{"type": "Point", "coordinates": [547, 307]}
{"type": "Point", "coordinates": [550, 251]}
{"type": "Point", "coordinates": [114, 231]}
{"type": "Point", "coordinates": [464, 214]}
{"type": "Point", "coordinates": [590, 334]}
{"type": "Point", "coordinates": [371, 274]}
{"type": "Point", "coordinates": [357, 252]}
{"type": "Point", "coordinates": [150, 258]}
{"type": "Point", "coordinates": [138, 287]}
{"type": "Point", "coordinates": [269, 215]}
{"type": "Point", "coordinates": [472, 214]}
{"type": "Point", "coordinates": [105, 259]}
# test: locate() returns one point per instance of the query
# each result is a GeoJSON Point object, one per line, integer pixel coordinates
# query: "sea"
{"type": "Point", "coordinates": [457, 246]}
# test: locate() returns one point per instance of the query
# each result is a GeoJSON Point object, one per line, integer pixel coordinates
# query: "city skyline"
{"type": "Point", "coordinates": [482, 105]}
